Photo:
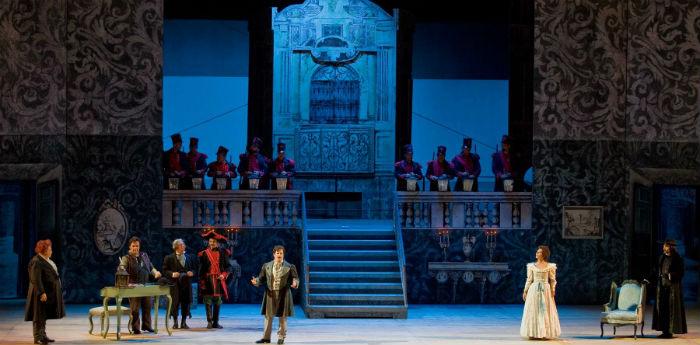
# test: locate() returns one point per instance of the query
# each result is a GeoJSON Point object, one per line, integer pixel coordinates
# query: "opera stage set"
{"type": "Point", "coordinates": [573, 125]}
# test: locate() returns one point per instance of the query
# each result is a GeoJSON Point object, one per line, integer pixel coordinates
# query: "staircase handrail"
{"type": "Point", "coordinates": [400, 251]}
{"type": "Point", "coordinates": [305, 249]}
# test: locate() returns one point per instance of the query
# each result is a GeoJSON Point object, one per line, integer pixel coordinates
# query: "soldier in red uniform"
{"type": "Point", "coordinates": [214, 268]}
{"type": "Point", "coordinates": [467, 165]}
{"type": "Point", "coordinates": [174, 161]}
{"type": "Point", "coordinates": [221, 169]}
{"type": "Point", "coordinates": [439, 168]}
{"type": "Point", "coordinates": [406, 169]}
{"type": "Point", "coordinates": [197, 161]}
{"type": "Point", "coordinates": [501, 164]}
{"type": "Point", "coordinates": [252, 163]}
{"type": "Point", "coordinates": [282, 167]}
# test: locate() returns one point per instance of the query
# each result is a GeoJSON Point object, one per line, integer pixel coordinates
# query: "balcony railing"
{"type": "Point", "coordinates": [457, 210]}
{"type": "Point", "coordinates": [232, 208]}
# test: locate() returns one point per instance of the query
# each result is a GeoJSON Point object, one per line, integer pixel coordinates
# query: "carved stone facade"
{"type": "Point", "coordinates": [334, 97]}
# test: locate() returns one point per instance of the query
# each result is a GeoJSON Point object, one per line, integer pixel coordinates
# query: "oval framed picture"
{"type": "Point", "coordinates": [111, 228]}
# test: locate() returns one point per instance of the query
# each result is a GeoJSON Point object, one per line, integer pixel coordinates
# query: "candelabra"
{"type": "Point", "coordinates": [233, 236]}
{"type": "Point", "coordinates": [443, 237]}
{"type": "Point", "coordinates": [491, 234]}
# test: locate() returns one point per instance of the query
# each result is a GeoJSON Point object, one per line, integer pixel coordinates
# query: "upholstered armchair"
{"type": "Point", "coordinates": [626, 306]}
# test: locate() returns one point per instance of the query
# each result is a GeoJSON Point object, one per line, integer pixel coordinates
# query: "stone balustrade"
{"type": "Point", "coordinates": [232, 208]}
{"type": "Point", "coordinates": [459, 210]}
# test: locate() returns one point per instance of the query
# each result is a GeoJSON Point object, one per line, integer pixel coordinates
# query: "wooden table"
{"type": "Point", "coordinates": [137, 291]}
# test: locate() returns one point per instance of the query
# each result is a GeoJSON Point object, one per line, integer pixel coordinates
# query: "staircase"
{"type": "Point", "coordinates": [354, 269]}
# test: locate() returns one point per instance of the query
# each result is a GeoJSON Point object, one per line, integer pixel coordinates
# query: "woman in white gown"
{"type": "Point", "coordinates": [540, 318]}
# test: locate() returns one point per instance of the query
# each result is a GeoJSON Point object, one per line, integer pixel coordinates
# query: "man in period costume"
{"type": "Point", "coordinates": [44, 297]}
{"type": "Point", "coordinates": [439, 168]}
{"type": "Point", "coordinates": [175, 163]}
{"type": "Point", "coordinates": [197, 161]}
{"type": "Point", "coordinates": [214, 268]}
{"type": "Point", "coordinates": [252, 163]}
{"type": "Point", "coordinates": [669, 311]}
{"type": "Point", "coordinates": [501, 164]}
{"type": "Point", "coordinates": [406, 169]}
{"type": "Point", "coordinates": [279, 276]}
{"type": "Point", "coordinates": [179, 269]}
{"type": "Point", "coordinates": [467, 166]}
{"type": "Point", "coordinates": [221, 168]}
{"type": "Point", "coordinates": [140, 270]}
{"type": "Point", "coordinates": [282, 167]}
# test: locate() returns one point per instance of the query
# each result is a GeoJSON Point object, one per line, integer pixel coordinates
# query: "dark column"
{"type": "Point", "coordinates": [404, 79]}
{"type": "Point", "coordinates": [260, 77]}
{"type": "Point", "coordinates": [520, 84]}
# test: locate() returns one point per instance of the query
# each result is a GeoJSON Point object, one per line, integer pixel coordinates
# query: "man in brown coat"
{"type": "Point", "coordinates": [279, 277]}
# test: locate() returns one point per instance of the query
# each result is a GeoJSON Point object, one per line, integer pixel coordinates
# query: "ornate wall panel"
{"type": "Point", "coordinates": [98, 168]}
{"type": "Point", "coordinates": [579, 79]}
{"type": "Point", "coordinates": [23, 149]}
{"type": "Point", "coordinates": [32, 67]}
{"type": "Point", "coordinates": [588, 136]}
{"type": "Point", "coordinates": [663, 91]}
{"type": "Point", "coordinates": [114, 70]}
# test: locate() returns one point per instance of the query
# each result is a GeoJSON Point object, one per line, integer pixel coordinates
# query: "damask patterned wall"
{"type": "Point", "coordinates": [616, 88]}
{"type": "Point", "coordinates": [81, 86]}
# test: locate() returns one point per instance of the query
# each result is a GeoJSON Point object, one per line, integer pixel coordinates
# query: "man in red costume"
{"type": "Point", "coordinates": [213, 270]}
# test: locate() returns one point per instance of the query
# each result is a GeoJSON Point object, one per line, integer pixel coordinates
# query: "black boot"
{"type": "Point", "coordinates": [216, 324]}
{"type": "Point", "coordinates": [183, 324]}
{"type": "Point", "coordinates": [207, 307]}
{"type": "Point", "coordinates": [175, 321]}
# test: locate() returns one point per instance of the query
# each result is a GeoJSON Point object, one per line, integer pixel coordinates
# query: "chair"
{"type": "Point", "coordinates": [111, 311]}
{"type": "Point", "coordinates": [626, 306]}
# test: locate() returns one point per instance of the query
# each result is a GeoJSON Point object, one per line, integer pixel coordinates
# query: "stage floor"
{"type": "Point", "coordinates": [426, 324]}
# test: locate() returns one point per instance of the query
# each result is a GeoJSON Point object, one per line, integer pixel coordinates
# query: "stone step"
{"type": "Point", "coordinates": [352, 244]}
{"type": "Point", "coordinates": [356, 266]}
{"type": "Point", "coordinates": [367, 288]}
{"type": "Point", "coordinates": [354, 299]}
{"type": "Point", "coordinates": [347, 255]}
{"type": "Point", "coordinates": [351, 234]}
{"type": "Point", "coordinates": [355, 277]}
{"type": "Point", "coordinates": [363, 311]}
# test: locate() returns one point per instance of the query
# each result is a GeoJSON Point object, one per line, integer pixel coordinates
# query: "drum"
{"type": "Point", "coordinates": [411, 184]}
{"type": "Point", "coordinates": [281, 183]}
{"type": "Point", "coordinates": [508, 185]}
{"type": "Point", "coordinates": [442, 184]}
{"type": "Point", "coordinates": [467, 184]}
{"type": "Point", "coordinates": [173, 183]}
{"type": "Point", "coordinates": [220, 183]}
{"type": "Point", "coordinates": [253, 183]}
{"type": "Point", "coordinates": [196, 183]}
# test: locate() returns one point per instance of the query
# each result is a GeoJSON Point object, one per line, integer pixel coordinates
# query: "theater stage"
{"type": "Point", "coordinates": [426, 324]}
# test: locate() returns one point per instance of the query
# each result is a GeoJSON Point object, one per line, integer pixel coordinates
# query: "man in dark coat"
{"type": "Point", "coordinates": [467, 165]}
{"type": "Point", "coordinates": [221, 168]}
{"type": "Point", "coordinates": [279, 276]}
{"type": "Point", "coordinates": [252, 163]}
{"type": "Point", "coordinates": [214, 268]}
{"type": "Point", "coordinates": [179, 268]}
{"type": "Point", "coordinates": [140, 270]}
{"type": "Point", "coordinates": [407, 168]}
{"type": "Point", "coordinates": [669, 311]}
{"type": "Point", "coordinates": [282, 167]}
{"type": "Point", "coordinates": [44, 297]}
{"type": "Point", "coordinates": [197, 161]}
{"type": "Point", "coordinates": [174, 161]}
{"type": "Point", "coordinates": [500, 164]}
{"type": "Point", "coordinates": [439, 168]}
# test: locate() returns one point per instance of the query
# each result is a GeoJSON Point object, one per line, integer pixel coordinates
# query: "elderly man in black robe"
{"type": "Point", "coordinates": [669, 311]}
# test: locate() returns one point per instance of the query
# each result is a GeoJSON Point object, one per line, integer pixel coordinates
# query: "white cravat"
{"type": "Point", "coordinates": [50, 262]}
